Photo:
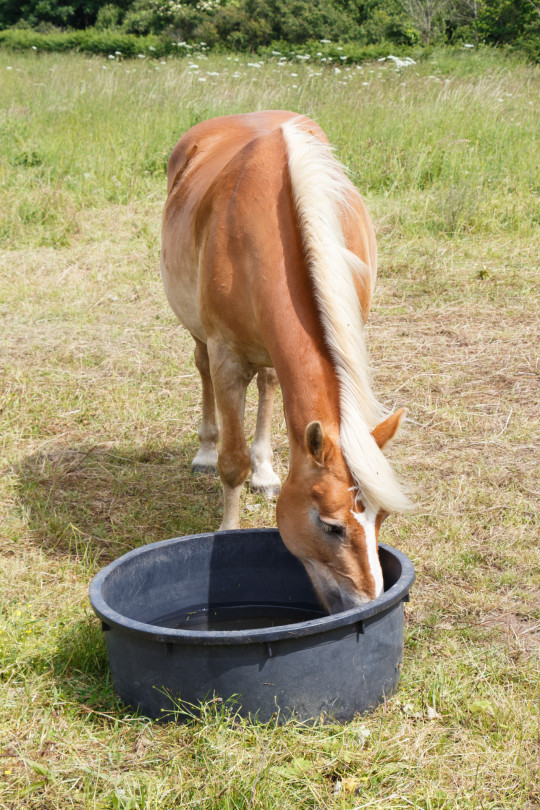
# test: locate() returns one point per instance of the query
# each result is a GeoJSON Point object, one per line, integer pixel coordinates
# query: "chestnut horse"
{"type": "Point", "coordinates": [269, 260]}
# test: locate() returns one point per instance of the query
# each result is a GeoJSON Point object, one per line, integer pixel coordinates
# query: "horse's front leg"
{"type": "Point", "coordinates": [263, 478]}
{"type": "Point", "coordinates": [231, 379]}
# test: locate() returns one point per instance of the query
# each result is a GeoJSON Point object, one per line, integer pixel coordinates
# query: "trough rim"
{"type": "Point", "coordinates": [112, 619]}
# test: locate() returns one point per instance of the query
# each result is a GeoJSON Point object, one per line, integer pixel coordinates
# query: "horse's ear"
{"type": "Point", "coordinates": [385, 431]}
{"type": "Point", "coordinates": [315, 441]}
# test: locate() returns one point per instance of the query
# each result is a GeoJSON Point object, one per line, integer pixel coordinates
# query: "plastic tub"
{"type": "Point", "coordinates": [233, 615]}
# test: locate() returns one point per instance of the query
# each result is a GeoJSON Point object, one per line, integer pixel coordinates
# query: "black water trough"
{"type": "Point", "coordinates": [233, 614]}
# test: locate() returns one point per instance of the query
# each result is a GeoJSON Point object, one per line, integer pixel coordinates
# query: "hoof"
{"type": "Point", "coordinates": [271, 492]}
{"type": "Point", "coordinates": [208, 469]}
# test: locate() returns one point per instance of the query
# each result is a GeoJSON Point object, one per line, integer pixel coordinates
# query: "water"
{"type": "Point", "coordinates": [239, 617]}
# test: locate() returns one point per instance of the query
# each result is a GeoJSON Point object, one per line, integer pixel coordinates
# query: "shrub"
{"type": "Point", "coordinates": [91, 40]}
{"type": "Point", "coordinates": [356, 52]}
{"type": "Point", "coordinates": [529, 43]}
{"type": "Point", "coordinates": [109, 16]}
{"type": "Point", "coordinates": [239, 30]}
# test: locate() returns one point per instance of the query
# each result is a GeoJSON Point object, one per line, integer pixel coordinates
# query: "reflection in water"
{"type": "Point", "coordinates": [238, 616]}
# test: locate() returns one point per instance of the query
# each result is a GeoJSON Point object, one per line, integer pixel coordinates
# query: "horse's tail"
{"type": "Point", "coordinates": [321, 193]}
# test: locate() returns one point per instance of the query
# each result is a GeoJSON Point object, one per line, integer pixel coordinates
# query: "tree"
{"type": "Point", "coordinates": [467, 11]}
{"type": "Point", "coordinates": [425, 14]}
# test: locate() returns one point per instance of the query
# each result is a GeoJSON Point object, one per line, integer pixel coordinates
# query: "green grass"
{"type": "Point", "coordinates": [99, 408]}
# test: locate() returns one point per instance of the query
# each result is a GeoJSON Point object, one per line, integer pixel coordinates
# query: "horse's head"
{"type": "Point", "coordinates": [324, 523]}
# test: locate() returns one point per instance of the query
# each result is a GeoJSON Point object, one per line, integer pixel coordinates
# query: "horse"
{"type": "Point", "coordinates": [269, 260]}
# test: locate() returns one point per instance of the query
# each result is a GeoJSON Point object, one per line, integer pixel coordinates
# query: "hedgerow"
{"type": "Point", "coordinates": [89, 40]}
{"type": "Point", "coordinates": [92, 40]}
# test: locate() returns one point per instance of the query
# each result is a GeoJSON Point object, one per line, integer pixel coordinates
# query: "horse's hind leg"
{"type": "Point", "coordinates": [231, 379]}
{"type": "Point", "coordinates": [206, 458]}
{"type": "Point", "coordinates": [263, 478]}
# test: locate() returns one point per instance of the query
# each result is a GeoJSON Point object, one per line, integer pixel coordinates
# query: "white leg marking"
{"type": "Point", "coordinates": [264, 478]}
{"type": "Point", "coordinates": [231, 508]}
{"type": "Point", "coordinates": [206, 457]}
{"type": "Point", "coordinates": [366, 519]}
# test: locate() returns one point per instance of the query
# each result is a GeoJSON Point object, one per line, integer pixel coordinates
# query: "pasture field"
{"type": "Point", "coordinates": [99, 412]}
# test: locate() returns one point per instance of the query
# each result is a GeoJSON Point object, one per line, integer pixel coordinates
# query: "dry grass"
{"type": "Point", "coordinates": [98, 422]}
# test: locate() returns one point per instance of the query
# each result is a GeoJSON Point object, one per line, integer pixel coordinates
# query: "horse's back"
{"type": "Point", "coordinates": [250, 249]}
{"type": "Point", "coordinates": [216, 141]}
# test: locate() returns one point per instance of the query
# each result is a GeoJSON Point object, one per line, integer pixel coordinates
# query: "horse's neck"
{"type": "Point", "coordinates": [310, 393]}
{"type": "Point", "coordinates": [292, 333]}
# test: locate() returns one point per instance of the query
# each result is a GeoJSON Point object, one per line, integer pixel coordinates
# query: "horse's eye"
{"type": "Point", "coordinates": [332, 527]}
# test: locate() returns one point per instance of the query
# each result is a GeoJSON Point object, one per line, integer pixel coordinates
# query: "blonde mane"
{"type": "Point", "coordinates": [321, 192]}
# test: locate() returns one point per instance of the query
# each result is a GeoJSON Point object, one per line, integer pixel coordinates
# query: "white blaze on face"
{"type": "Point", "coordinates": [366, 519]}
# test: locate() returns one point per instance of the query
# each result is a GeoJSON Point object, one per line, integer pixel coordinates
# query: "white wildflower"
{"type": "Point", "coordinates": [362, 734]}
{"type": "Point", "coordinates": [401, 63]}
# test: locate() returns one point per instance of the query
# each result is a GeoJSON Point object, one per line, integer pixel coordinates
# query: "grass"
{"type": "Point", "coordinates": [99, 412]}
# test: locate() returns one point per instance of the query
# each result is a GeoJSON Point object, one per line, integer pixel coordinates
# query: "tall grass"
{"type": "Point", "coordinates": [99, 408]}
{"type": "Point", "coordinates": [456, 149]}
